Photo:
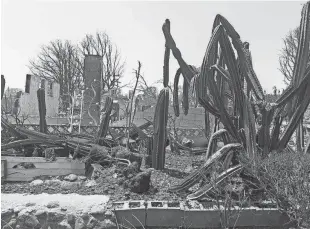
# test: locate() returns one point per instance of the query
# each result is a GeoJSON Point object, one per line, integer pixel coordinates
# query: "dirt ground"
{"type": "Point", "coordinates": [109, 183]}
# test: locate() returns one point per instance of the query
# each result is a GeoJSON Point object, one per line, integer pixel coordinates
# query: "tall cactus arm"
{"type": "Point", "coordinates": [225, 118]}
{"type": "Point", "coordinates": [249, 128]}
{"type": "Point", "coordinates": [303, 45]}
{"type": "Point", "coordinates": [185, 99]}
{"type": "Point", "coordinates": [302, 54]}
{"type": "Point", "coordinates": [166, 57]}
{"type": "Point", "coordinates": [176, 92]}
{"type": "Point", "coordinates": [292, 91]}
{"type": "Point", "coordinates": [275, 133]}
{"type": "Point", "coordinates": [208, 60]}
{"type": "Point", "coordinates": [245, 60]}
{"type": "Point", "coordinates": [295, 119]}
{"type": "Point", "coordinates": [187, 72]}
{"type": "Point", "coordinates": [232, 66]}
{"type": "Point", "coordinates": [219, 19]}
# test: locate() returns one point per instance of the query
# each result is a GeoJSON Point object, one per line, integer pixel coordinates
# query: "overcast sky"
{"type": "Point", "coordinates": [135, 27]}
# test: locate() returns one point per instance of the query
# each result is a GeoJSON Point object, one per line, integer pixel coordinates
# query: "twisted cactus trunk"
{"type": "Point", "coordinates": [42, 110]}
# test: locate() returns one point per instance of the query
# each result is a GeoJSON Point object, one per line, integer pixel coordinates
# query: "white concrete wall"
{"type": "Point", "coordinates": [29, 101]}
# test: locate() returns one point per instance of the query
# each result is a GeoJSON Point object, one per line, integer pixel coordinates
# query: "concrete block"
{"type": "Point", "coordinates": [130, 213]}
{"type": "Point", "coordinates": [163, 214]}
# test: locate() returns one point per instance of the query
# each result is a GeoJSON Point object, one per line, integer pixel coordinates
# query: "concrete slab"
{"type": "Point", "coordinates": [72, 202]}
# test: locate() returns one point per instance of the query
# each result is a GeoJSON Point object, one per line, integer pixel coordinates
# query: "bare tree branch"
{"type": "Point", "coordinates": [288, 54]}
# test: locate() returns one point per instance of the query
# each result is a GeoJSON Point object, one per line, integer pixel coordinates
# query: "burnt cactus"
{"type": "Point", "coordinates": [42, 110]}
{"type": "Point", "coordinates": [160, 130]}
{"type": "Point", "coordinates": [161, 113]}
{"type": "Point", "coordinates": [227, 74]}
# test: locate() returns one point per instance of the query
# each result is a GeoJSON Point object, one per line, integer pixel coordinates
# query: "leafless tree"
{"type": "Point", "coordinates": [113, 65]}
{"type": "Point", "coordinates": [61, 62]}
{"type": "Point", "coordinates": [288, 54]}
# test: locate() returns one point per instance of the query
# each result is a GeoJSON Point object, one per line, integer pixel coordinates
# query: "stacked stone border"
{"type": "Point", "coordinates": [141, 214]}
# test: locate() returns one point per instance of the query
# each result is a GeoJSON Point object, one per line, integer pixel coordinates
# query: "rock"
{"type": "Point", "coordinates": [18, 209]}
{"type": "Point", "coordinates": [11, 224]}
{"type": "Point", "coordinates": [54, 216]}
{"type": "Point", "coordinates": [64, 225]}
{"type": "Point", "coordinates": [92, 222]}
{"type": "Point", "coordinates": [109, 215]}
{"type": "Point", "coordinates": [82, 178]}
{"type": "Point", "coordinates": [25, 220]}
{"type": "Point", "coordinates": [6, 215]}
{"type": "Point", "coordinates": [71, 177]}
{"type": "Point", "coordinates": [71, 219]}
{"type": "Point", "coordinates": [67, 185]}
{"type": "Point", "coordinates": [140, 183]}
{"type": "Point", "coordinates": [30, 204]}
{"type": "Point", "coordinates": [90, 183]}
{"type": "Point", "coordinates": [106, 224]}
{"type": "Point", "coordinates": [53, 204]}
{"type": "Point", "coordinates": [36, 182]}
{"type": "Point", "coordinates": [188, 169]}
{"type": "Point", "coordinates": [53, 182]}
{"type": "Point", "coordinates": [79, 223]}
{"type": "Point", "coordinates": [41, 216]}
{"type": "Point", "coordinates": [97, 212]}
{"type": "Point", "coordinates": [94, 171]}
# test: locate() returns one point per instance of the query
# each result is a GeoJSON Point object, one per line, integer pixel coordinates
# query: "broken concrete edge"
{"type": "Point", "coordinates": [178, 214]}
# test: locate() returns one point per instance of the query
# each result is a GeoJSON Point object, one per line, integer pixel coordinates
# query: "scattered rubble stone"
{"type": "Point", "coordinates": [36, 182]}
{"type": "Point", "coordinates": [71, 177]}
{"type": "Point", "coordinates": [90, 183]}
{"type": "Point", "coordinates": [53, 204]}
{"type": "Point", "coordinates": [30, 204]}
{"type": "Point", "coordinates": [140, 183]}
{"type": "Point", "coordinates": [25, 220]}
{"type": "Point", "coordinates": [53, 182]}
{"type": "Point", "coordinates": [41, 216]}
{"type": "Point", "coordinates": [107, 224]}
{"type": "Point", "coordinates": [82, 178]}
{"type": "Point", "coordinates": [67, 185]}
{"type": "Point", "coordinates": [64, 225]}
{"type": "Point", "coordinates": [6, 215]}
{"type": "Point", "coordinates": [79, 223]}
{"type": "Point", "coordinates": [55, 216]}
{"type": "Point", "coordinates": [92, 222]}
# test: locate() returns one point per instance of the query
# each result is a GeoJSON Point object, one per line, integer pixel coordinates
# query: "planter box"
{"type": "Point", "coordinates": [270, 217]}
{"type": "Point", "coordinates": [130, 214]}
{"type": "Point", "coordinates": [133, 214]}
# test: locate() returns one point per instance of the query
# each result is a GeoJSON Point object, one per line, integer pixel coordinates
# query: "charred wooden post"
{"type": "Point", "coordinates": [42, 110]}
{"type": "Point", "coordinates": [105, 120]}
